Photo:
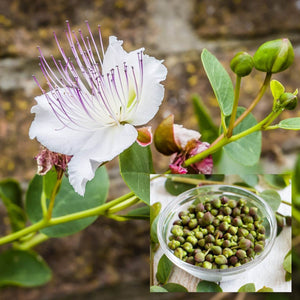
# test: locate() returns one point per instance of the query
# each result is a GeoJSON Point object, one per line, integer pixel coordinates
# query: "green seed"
{"type": "Point", "coordinates": [188, 247]}
{"type": "Point", "coordinates": [217, 250]}
{"type": "Point", "coordinates": [207, 265]}
{"type": "Point", "coordinates": [221, 260]}
{"type": "Point", "coordinates": [177, 230]}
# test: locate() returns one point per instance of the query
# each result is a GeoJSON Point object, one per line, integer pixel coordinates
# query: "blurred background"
{"type": "Point", "coordinates": [173, 30]}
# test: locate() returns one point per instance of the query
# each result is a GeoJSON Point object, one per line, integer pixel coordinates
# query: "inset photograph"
{"type": "Point", "coordinates": [221, 233]}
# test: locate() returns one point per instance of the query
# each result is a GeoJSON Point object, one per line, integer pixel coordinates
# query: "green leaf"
{"type": "Point", "coordinates": [219, 80]}
{"type": "Point", "coordinates": [135, 167]}
{"type": "Point", "coordinates": [287, 263]}
{"type": "Point", "coordinates": [277, 89]}
{"type": "Point", "coordinates": [67, 202]}
{"type": "Point", "coordinates": [272, 198]}
{"type": "Point", "coordinates": [157, 289]}
{"type": "Point", "coordinates": [154, 211]}
{"type": "Point", "coordinates": [11, 195]}
{"type": "Point", "coordinates": [288, 276]}
{"type": "Point", "coordinates": [21, 268]}
{"type": "Point", "coordinates": [291, 124]}
{"type": "Point", "coordinates": [175, 288]}
{"type": "Point", "coordinates": [49, 181]}
{"type": "Point", "coordinates": [209, 131]}
{"type": "Point", "coordinates": [265, 290]}
{"type": "Point", "coordinates": [208, 286]}
{"type": "Point", "coordinates": [227, 165]}
{"type": "Point", "coordinates": [277, 181]}
{"type": "Point", "coordinates": [139, 213]}
{"type": "Point", "coordinates": [250, 179]}
{"type": "Point", "coordinates": [246, 150]}
{"type": "Point", "coordinates": [296, 183]}
{"type": "Point", "coordinates": [247, 288]}
{"type": "Point", "coordinates": [176, 188]}
{"type": "Point", "coordinates": [164, 269]}
{"type": "Point", "coordinates": [153, 230]}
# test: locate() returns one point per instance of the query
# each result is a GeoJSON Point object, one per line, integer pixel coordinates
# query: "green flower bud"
{"type": "Point", "coordinates": [237, 222]}
{"type": "Point", "coordinates": [233, 260]}
{"type": "Point", "coordinates": [261, 229]}
{"type": "Point", "coordinates": [188, 247]}
{"type": "Point", "coordinates": [207, 218]}
{"type": "Point", "coordinates": [199, 257]}
{"type": "Point", "coordinates": [232, 203]}
{"type": "Point", "coordinates": [199, 235]}
{"type": "Point", "coordinates": [204, 231]}
{"type": "Point", "coordinates": [288, 101]}
{"type": "Point", "coordinates": [216, 203]}
{"type": "Point", "coordinates": [180, 253]}
{"type": "Point", "coordinates": [193, 223]}
{"type": "Point", "coordinates": [191, 208]}
{"type": "Point", "coordinates": [226, 244]}
{"type": "Point", "coordinates": [224, 226]}
{"type": "Point", "coordinates": [236, 212]}
{"type": "Point", "coordinates": [185, 220]}
{"type": "Point", "coordinates": [217, 250]}
{"type": "Point", "coordinates": [258, 248]}
{"type": "Point", "coordinates": [244, 244]}
{"type": "Point", "coordinates": [216, 222]}
{"type": "Point", "coordinates": [227, 211]}
{"type": "Point", "coordinates": [207, 206]}
{"type": "Point", "coordinates": [190, 260]}
{"type": "Point", "coordinates": [250, 237]}
{"type": "Point", "coordinates": [242, 64]}
{"type": "Point", "coordinates": [227, 252]}
{"type": "Point", "coordinates": [214, 211]}
{"type": "Point", "coordinates": [210, 229]}
{"type": "Point", "coordinates": [218, 234]}
{"type": "Point", "coordinates": [227, 219]}
{"type": "Point", "coordinates": [183, 213]}
{"type": "Point", "coordinates": [242, 202]}
{"type": "Point", "coordinates": [227, 236]}
{"type": "Point", "coordinates": [208, 246]}
{"type": "Point", "coordinates": [173, 244]}
{"type": "Point", "coordinates": [219, 242]}
{"type": "Point", "coordinates": [243, 232]}
{"type": "Point", "coordinates": [245, 210]}
{"type": "Point", "coordinates": [180, 239]}
{"type": "Point", "coordinates": [248, 219]}
{"type": "Point", "coordinates": [253, 211]}
{"type": "Point", "coordinates": [210, 238]}
{"type": "Point", "coordinates": [199, 207]}
{"type": "Point", "coordinates": [233, 230]}
{"type": "Point", "coordinates": [224, 199]}
{"type": "Point", "coordinates": [201, 243]}
{"type": "Point", "coordinates": [186, 232]}
{"type": "Point", "coordinates": [221, 260]}
{"type": "Point", "coordinates": [200, 215]}
{"type": "Point", "coordinates": [250, 252]}
{"type": "Point", "coordinates": [191, 239]}
{"type": "Point", "coordinates": [250, 226]}
{"type": "Point", "coordinates": [245, 260]}
{"type": "Point", "coordinates": [224, 267]}
{"type": "Point", "coordinates": [207, 265]}
{"type": "Point", "coordinates": [260, 237]}
{"type": "Point", "coordinates": [274, 56]}
{"type": "Point", "coordinates": [209, 257]}
{"type": "Point", "coordinates": [177, 222]}
{"type": "Point", "coordinates": [241, 254]}
{"type": "Point", "coordinates": [177, 230]}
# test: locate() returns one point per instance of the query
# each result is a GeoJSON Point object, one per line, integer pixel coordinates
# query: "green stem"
{"type": "Point", "coordinates": [223, 123]}
{"type": "Point", "coordinates": [251, 106]}
{"type": "Point", "coordinates": [44, 204]}
{"type": "Point", "coordinates": [235, 106]}
{"type": "Point", "coordinates": [36, 240]}
{"type": "Point", "coordinates": [52, 198]}
{"type": "Point", "coordinates": [127, 203]}
{"type": "Point", "coordinates": [285, 202]}
{"type": "Point", "coordinates": [99, 210]}
{"type": "Point", "coordinates": [224, 141]}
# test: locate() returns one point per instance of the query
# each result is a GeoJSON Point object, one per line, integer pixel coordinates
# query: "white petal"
{"type": "Point", "coordinates": [183, 136]}
{"type": "Point", "coordinates": [114, 56]}
{"type": "Point", "coordinates": [51, 133]}
{"type": "Point", "coordinates": [152, 91]}
{"type": "Point", "coordinates": [104, 145]}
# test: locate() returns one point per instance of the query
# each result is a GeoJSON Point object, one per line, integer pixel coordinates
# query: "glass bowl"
{"type": "Point", "coordinates": [202, 194]}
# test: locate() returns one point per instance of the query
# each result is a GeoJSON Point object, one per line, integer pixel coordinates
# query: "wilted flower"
{"type": "Point", "coordinates": [90, 113]}
{"type": "Point", "coordinates": [47, 159]}
{"type": "Point", "coordinates": [182, 143]}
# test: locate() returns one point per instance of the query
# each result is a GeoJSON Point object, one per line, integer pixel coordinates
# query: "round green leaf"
{"type": "Point", "coordinates": [175, 288]}
{"type": "Point", "coordinates": [208, 286]}
{"type": "Point", "coordinates": [265, 290]}
{"type": "Point", "coordinates": [23, 268]}
{"type": "Point", "coordinates": [247, 288]}
{"type": "Point", "coordinates": [277, 89]}
{"type": "Point", "coordinates": [164, 269]}
{"type": "Point", "coordinates": [157, 289]}
{"type": "Point", "coordinates": [287, 263]}
{"type": "Point", "coordinates": [272, 198]}
{"type": "Point", "coordinates": [67, 202]}
{"type": "Point", "coordinates": [246, 150]}
{"type": "Point", "coordinates": [135, 166]}
{"type": "Point", "coordinates": [277, 181]}
{"type": "Point", "coordinates": [291, 124]}
{"type": "Point", "coordinates": [219, 80]}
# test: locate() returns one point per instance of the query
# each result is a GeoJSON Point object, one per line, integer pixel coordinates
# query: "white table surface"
{"type": "Point", "coordinates": [269, 273]}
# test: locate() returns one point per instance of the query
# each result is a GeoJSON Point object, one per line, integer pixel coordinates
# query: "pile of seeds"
{"type": "Point", "coordinates": [218, 234]}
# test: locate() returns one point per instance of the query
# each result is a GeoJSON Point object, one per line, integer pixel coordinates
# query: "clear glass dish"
{"type": "Point", "coordinates": [205, 193]}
